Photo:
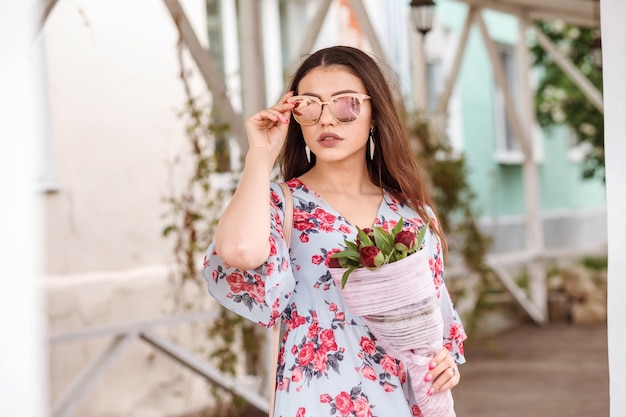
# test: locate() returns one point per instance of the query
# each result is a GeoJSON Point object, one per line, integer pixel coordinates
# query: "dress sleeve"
{"type": "Point", "coordinates": [259, 294]}
{"type": "Point", "coordinates": [453, 331]}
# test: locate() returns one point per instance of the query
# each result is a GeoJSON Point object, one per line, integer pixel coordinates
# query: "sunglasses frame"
{"type": "Point", "coordinates": [359, 96]}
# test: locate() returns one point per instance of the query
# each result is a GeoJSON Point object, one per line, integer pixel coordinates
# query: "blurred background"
{"type": "Point", "coordinates": [141, 124]}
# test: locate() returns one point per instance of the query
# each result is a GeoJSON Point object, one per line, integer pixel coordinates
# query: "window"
{"type": "Point", "coordinates": [507, 146]}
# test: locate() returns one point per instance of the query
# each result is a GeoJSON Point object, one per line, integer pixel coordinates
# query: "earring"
{"type": "Point", "coordinates": [307, 151]}
{"type": "Point", "coordinates": [372, 143]}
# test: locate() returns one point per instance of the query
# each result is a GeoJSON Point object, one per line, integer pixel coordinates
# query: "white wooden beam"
{"type": "Point", "coordinates": [588, 89]}
{"type": "Point", "coordinates": [550, 11]}
{"type": "Point", "coordinates": [509, 283]}
{"type": "Point", "coordinates": [47, 10]}
{"type": "Point", "coordinates": [534, 224]}
{"type": "Point", "coordinates": [368, 29]}
{"type": "Point", "coordinates": [209, 71]}
{"type": "Point", "coordinates": [522, 132]}
{"type": "Point", "coordinates": [521, 135]}
{"type": "Point", "coordinates": [313, 29]}
{"type": "Point", "coordinates": [443, 101]}
{"type": "Point", "coordinates": [251, 55]}
{"type": "Point", "coordinates": [614, 68]}
{"type": "Point", "coordinates": [23, 363]}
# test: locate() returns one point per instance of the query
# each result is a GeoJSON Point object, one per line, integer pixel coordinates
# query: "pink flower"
{"type": "Point", "coordinates": [327, 338]}
{"type": "Point", "coordinates": [273, 250]}
{"type": "Point", "coordinates": [371, 257]}
{"type": "Point", "coordinates": [301, 412]}
{"type": "Point", "coordinates": [340, 316]}
{"type": "Point", "coordinates": [319, 360]}
{"type": "Point", "coordinates": [367, 345]}
{"type": "Point", "coordinates": [257, 292]}
{"type": "Point", "coordinates": [317, 259]}
{"type": "Point", "coordinates": [325, 399]}
{"type": "Point", "coordinates": [313, 330]}
{"type": "Point", "coordinates": [416, 412]}
{"type": "Point", "coordinates": [344, 403]}
{"type": "Point", "coordinates": [296, 320]}
{"type": "Point", "coordinates": [332, 307]}
{"type": "Point", "coordinates": [454, 331]}
{"type": "Point", "coordinates": [236, 282]}
{"type": "Point", "coordinates": [324, 216]}
{"type": "Point", "coordinates": [368, 373]}
{"type": "Point", "coordinates": [388, 387]}
{"type": "Point", "coordinates": [296, 375]}
{"type": "Point", "coordinates": [306, 354]}
{"type": "Point", "coordinates": [304, 238]}
{"type": "Point", "coordinates": [402, 372]}
{"type": "Point", "coordinates": [389, 365]}
{"type": "Point", "coordinates": [362, 407]}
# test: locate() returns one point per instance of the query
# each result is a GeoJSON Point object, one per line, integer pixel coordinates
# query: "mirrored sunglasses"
{"type": "Point", "coordinates": [343, 107]}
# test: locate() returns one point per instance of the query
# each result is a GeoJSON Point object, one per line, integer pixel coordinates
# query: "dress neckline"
{"type": "Point", "coordinates": [381, 205]}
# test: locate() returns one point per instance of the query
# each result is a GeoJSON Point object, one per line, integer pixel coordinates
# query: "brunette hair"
{"type": "Point", "coordinates": [394, 167]}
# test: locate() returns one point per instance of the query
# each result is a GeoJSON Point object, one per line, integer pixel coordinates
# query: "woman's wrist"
{"type": "Point", "coordinates": [259, 158]}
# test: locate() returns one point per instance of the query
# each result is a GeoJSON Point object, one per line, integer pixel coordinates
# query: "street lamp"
{"type": "Point", "coordinates": [422, 12]}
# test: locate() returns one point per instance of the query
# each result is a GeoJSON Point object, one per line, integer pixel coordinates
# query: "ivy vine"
{"type": "Point", "coordinates": [560, 102]}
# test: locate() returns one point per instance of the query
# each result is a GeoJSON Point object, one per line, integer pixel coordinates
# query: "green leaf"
{"type": "Point", "coordinates": [398, 227]}
{"type": "Point", "coordinates": [382, 239]}
{"type": "Point", "coordinates": [364, 238]}
{"type": "Point", "coordinates": [421, 235]}
{"type": "Point", "coordinates": [344, 278]}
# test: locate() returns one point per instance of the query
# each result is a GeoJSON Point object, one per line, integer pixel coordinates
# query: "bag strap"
{"type": "Point", "coordinates": [287, 224]}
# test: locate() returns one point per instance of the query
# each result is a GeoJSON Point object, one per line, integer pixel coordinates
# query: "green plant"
{"type": "Point", "coordinates": [454, 200]}
{"type": "Point", "coordinates": [192, 211]}
{"type": "Point", "coordinates": [560, 102]}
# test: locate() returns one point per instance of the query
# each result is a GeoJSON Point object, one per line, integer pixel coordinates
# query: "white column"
{"type": "Point", "coordinates": [23, 388]}
{"type": "Point", "coordinates": [272, 56]}
{"type": "Point", "coordinates": [614, 68]}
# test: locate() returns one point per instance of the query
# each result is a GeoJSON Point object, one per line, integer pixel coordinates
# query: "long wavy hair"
{"type": "Point", "coordinates": [394, 167]}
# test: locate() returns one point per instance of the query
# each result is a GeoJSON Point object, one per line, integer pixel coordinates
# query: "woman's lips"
{"type": "Point", "coordinates": [328, 139]}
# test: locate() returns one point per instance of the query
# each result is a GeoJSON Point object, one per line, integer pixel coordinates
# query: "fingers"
{"type": "Point", "coordinates": [275, 115]}
{"type": "Point", "coordinates": [444, 373]}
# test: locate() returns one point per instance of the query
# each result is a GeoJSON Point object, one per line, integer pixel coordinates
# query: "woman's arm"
{"type": "Point", "coordinates": [242, 235]}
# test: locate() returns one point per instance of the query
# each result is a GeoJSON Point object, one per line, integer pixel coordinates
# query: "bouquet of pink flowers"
{"type": "Point", "coordinates": [392, 288]}
{"type": "Point", "coordinates": [375, 247]}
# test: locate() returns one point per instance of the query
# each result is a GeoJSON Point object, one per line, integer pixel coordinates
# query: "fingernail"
{"type": "Point", "coordinates": [432, 365]}
{"type": "Point", "coordinates": [428, 378]}
{"type": "Point", "coordinates": [430, 392]}
{"type": "Point", "coordinates": [286, 120]}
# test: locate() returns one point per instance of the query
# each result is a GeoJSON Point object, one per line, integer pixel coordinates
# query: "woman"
{"type": "Point", "coordinates": [342, 147]}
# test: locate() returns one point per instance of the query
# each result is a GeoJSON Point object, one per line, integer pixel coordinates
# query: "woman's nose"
{"type": "Point", "coordinates": [326, 117]}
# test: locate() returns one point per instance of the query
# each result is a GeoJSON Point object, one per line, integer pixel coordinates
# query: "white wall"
{"type": "Point", "coordinates": [614, 59]}
{"type": "Point", "coordinates": [114, 94]}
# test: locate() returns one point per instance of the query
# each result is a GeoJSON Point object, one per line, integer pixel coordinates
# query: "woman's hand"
{"type": "Point", "coordinates": [444, 372]}
{"type": "Point", "coordinates": [267, 129]}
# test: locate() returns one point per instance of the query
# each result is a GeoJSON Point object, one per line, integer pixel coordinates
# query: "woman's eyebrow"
{"type": "Point", "coordinates": [332, 95]}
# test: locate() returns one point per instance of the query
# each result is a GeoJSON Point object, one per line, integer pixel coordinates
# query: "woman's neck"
{"type": "Point", "coordinates": [335, 178]}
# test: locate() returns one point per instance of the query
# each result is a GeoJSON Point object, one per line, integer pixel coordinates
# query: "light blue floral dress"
{"type": "Point", "coordinates": [329, 363]}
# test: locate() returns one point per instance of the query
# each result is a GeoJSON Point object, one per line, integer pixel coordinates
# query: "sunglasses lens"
{"type": "Point", "coordinates": [345, 108]}
{"type": "Point", "coordinates": [306, 111]}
